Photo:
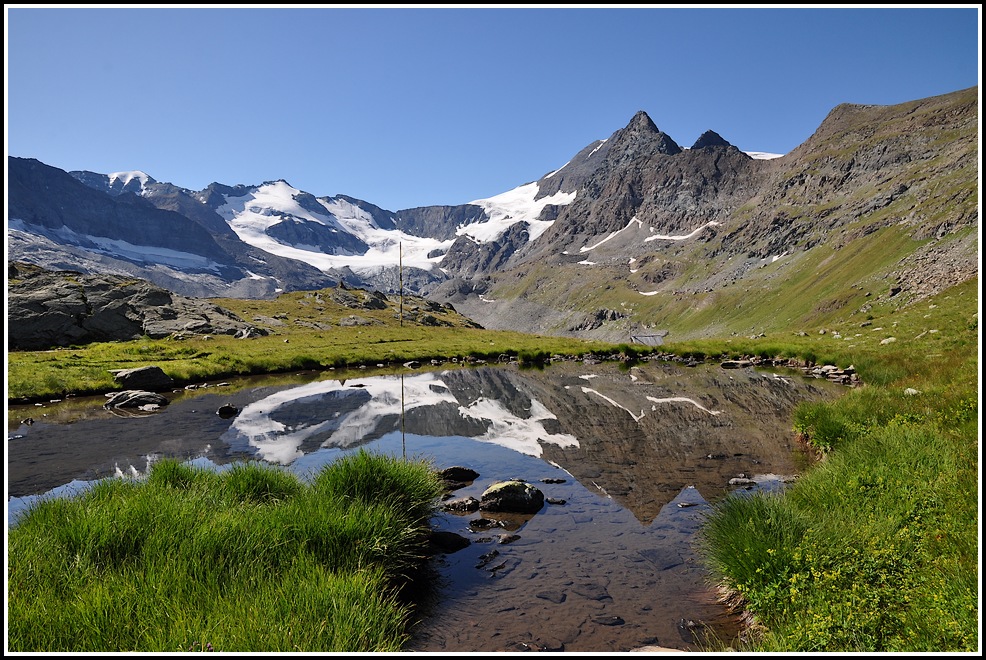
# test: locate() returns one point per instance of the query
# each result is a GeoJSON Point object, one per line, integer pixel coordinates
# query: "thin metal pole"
{"type": "Point", "coordinates": [400, 270]}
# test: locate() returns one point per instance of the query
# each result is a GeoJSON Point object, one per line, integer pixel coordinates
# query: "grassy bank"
{"type": "Point", "coordinates": [876, 548]}
{"type": "Point", "coordinates": [250, 559]}
{"type": "Point", "coordinates": [80, 370]}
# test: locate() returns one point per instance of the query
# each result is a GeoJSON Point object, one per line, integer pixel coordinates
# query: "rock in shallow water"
{"type": "Point", "coordinates": [512, 496]}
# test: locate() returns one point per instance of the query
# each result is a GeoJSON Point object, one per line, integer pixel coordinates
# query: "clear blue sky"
{"type": "Point", "coordinates": [406, 107]}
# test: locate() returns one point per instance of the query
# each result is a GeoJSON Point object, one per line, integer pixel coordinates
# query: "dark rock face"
{"type": "Point", "coordinates": [54, 200]}
{"type": "Point", "coordinates": [573, 175]}
{"type": "Point", "coordinates": [710, 139]}
{"type": "Point", "coordinates": [647, 176]}
{"type": "Point", "coordinates": [439, 222]}
{"type": "Point", "coordinates": [327, 239]}
{"type": "Point", "coordinates": [638, 173]}
{"type": "Point", "coordinates": [46, 309]}
{"type": "Point", "coordinates": [466, 258]}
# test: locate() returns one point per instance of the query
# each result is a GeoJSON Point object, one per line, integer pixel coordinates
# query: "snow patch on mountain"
{"type": "Point", "coordinates": [762, 155]}
{"type": "Point", "coordinates": [613, 234]}
{"type": "Point", "coordinates": [511, 207]}
{"type": "Point", "coordinates": [681, 237]}
{"type": "Point", "coordinates": [250, 216]}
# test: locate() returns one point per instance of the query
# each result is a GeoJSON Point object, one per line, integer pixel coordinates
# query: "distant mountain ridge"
{"type": "Point", "coordinates": [280, 221]}
{"type": "Point", "coordinates": [632, 214]}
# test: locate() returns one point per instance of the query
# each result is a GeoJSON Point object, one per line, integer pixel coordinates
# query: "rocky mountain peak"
{"type": "Point", "coordinates": [642, 122]}
{"type": "Point", "coordinates": [118, 183]}
{"type": "Point", "coordinates": [639, 140]}
{"type": "Point", "coordinates": [710, 139]}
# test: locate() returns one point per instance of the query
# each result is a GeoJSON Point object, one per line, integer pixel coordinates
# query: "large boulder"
{"type": "Point", "coordinates": [143, 378]}
{"type": "Point", "coordinates": [513, 496]}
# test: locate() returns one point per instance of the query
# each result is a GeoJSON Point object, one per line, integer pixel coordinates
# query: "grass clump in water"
{"type": "Point", "coordinates": [251, 559]}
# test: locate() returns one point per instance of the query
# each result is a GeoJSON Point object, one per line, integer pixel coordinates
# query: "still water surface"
{"type": "Point", "coordinates": [631, 460]}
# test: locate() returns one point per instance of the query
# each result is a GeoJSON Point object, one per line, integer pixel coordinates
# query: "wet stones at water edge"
{"type": "Point", "coordinates": [462, 505]}
{"type": "Point", "coordinates": [442, 542]}
{"type": "Point", "coordinates": [457, 477]}
{"type": "Point", "coordinates": [513, 496]}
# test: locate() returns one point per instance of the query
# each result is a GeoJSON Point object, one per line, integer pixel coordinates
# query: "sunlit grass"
{"type": "Point", "coordinates": [88, 369]}
{"type": "Point", "coordinates": [250, 559]}
{"type": "Point", "coordinates": [875, 548]}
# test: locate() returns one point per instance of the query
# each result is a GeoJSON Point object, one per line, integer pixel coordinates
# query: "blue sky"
{"type": "Point", "coordinates": [405, 107]}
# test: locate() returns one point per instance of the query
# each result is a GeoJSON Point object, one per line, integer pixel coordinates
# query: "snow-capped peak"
{"type": "Point", "coordinates": [260, 208]}
{"type": "Point", "coordinates": [126, 177]}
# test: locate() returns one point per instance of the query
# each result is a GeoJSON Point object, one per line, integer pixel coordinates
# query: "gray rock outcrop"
{"type": "Point", "coordinates": [48, 309]}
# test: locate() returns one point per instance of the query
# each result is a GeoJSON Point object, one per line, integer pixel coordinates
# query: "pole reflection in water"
{"type": "Point", "coordinates": [403, 443]}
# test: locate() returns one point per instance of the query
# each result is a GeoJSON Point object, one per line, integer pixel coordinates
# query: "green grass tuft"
{"type": "Point", "coordinates": [247, 560]}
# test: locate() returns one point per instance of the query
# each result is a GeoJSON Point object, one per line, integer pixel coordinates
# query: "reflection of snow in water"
{"type": "Point", "coordinates": [636, 418]}
{"type": "Point", "coordinates": [683, 399]}
{"type": "Point", "coordinates": [521, 435]}
{"type": "Point", "coordinates": [133, 473]}
{"type": "Point", "coordinates": [354, 412]}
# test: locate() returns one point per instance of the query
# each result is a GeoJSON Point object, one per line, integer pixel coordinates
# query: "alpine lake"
{"type": "Point", "coordinates": [629, 460]}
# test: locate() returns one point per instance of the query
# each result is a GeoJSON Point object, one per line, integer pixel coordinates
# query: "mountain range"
{"type": "Point", "coordinates": [634, 237]}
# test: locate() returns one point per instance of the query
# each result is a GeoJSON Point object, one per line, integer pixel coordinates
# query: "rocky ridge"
{"type": "Point", "coordinates": [46, 309]}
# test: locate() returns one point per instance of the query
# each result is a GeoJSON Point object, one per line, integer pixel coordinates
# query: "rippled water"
{"type": "Point", "coordinates": [630, 458]}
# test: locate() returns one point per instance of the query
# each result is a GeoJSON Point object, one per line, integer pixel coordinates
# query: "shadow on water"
{"type": "Point", "coordinates": [629, 462]}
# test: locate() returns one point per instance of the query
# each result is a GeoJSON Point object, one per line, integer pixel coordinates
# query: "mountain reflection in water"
{"type": "Point", "coordinates": [636, 455]}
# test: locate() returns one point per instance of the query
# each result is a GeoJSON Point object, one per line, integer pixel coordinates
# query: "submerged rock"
{"type": "Point", "coordinates": [442, 542]}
